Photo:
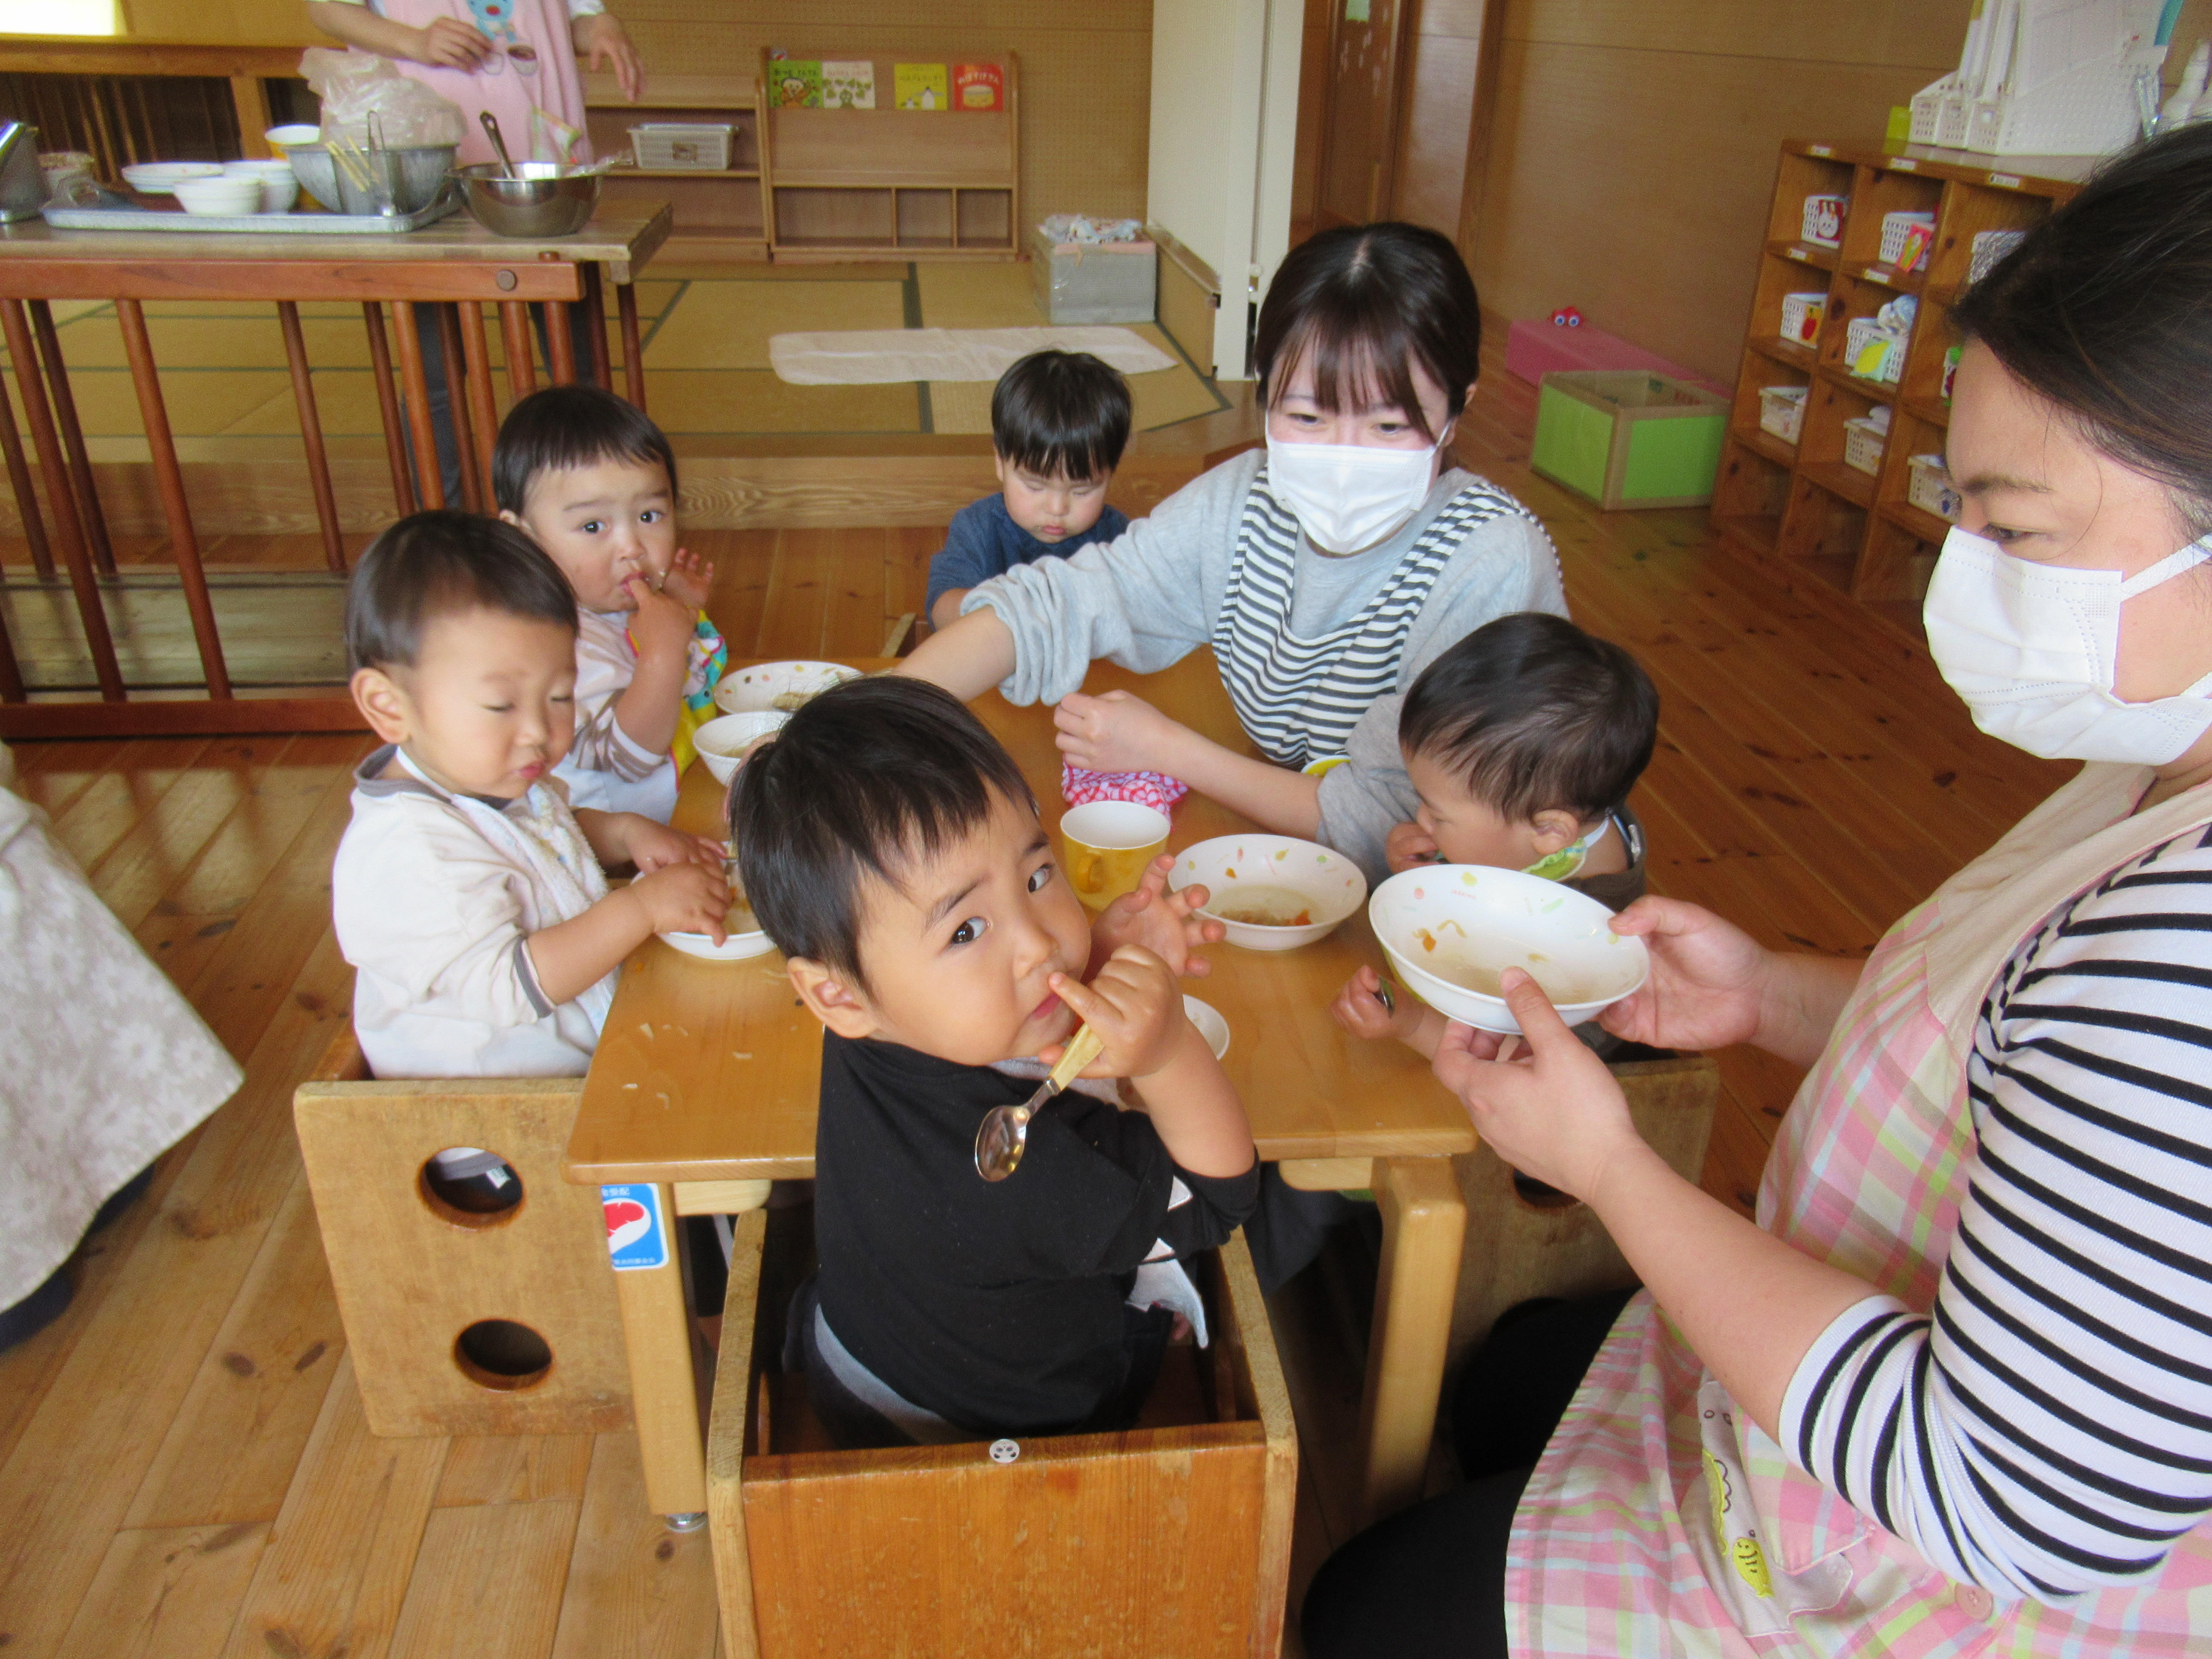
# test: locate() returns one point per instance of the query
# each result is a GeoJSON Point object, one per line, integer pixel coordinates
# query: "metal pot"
{"type": "Point", "coordinates": [23, 184]}
{"type": "Point", "coordinates": [546, 201]}
{"type": "Point", "coordinates": [415, 176]}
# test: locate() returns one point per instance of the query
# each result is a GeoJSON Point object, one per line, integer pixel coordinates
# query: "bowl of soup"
{"type": "Point", "coordinates": [746, 937]}
{"type": "Point", "coordinates": [1271, 892]}
{"type": "Point", "coordinates": [722, 742]}
{"type": "Point", "coordinates": [777, 687]}
{"type": "Point", "coordinates": [1452, 930]}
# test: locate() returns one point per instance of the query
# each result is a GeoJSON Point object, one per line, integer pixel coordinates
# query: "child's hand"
{"type": "Point", "coordinates": [655, 847]}
{"type": "Point", "coordinates": [663, 624]}
{"type": "Point", "coordinates": [450, 43]}
{"type": "Point", "coordinates": [1166, 924]}
{"type": "Point", "coordinates": [1409, 847]}
{"type": "Point", "coordinates": [1360, 1007]}
{"type": "Point", "coordinates": [1136, 1009]}
{"type": "Point", "coordinates": [1117, 732]}
{"type": "Point", "coordinates": [688, 580]}
{"type": "Point", "coordinates": [684, 897]}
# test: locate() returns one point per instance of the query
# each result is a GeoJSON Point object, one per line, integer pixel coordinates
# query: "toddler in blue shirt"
{"type": "Point", "coordinates": [1059, 423]}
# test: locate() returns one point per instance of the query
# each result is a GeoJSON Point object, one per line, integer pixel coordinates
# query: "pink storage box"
{"type": "Point", "coordinates": [1535, 348]}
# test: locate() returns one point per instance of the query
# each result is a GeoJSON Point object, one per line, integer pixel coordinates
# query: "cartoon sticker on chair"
{"type": "Point", "coordinates": [636, 1238]}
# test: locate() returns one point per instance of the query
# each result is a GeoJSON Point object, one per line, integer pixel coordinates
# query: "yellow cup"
{"type": "Point", "coordinates": [1107, 845]}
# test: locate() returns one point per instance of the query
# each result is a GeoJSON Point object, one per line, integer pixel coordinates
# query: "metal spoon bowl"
{"type": "Point", "coordinates": [1005, 1133]}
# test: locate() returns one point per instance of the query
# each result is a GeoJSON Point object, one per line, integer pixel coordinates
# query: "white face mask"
{"type": "Point", "coordinates": [2032, 649]}
{"type": "Point", "coordinates": [1349, 496]}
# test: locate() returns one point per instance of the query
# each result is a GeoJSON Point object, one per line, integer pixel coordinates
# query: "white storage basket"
{"type": "Point", "coordinates": [1928, 485]}
{"type": "Point", "coordinates": [683, 147]}
{"type": "Point", "coordinates": [1863, 439]}
{"type": "Point", "coordinates": [1887, 365]}
{"type": "Point", "coordinates": [1823, 220]}
{"type": "Point", "coordinates": [1782, 412]}
{"type": "Point", "coordinates": [1895, 227]}
{"type": "Point", "coordinates": [1801, 315]}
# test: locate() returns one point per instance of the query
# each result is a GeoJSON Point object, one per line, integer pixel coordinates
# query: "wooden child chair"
{"type": "Point", "coordinates": [1172, 1538]}
{"type": "Point", "coordinates": [463, 1321]}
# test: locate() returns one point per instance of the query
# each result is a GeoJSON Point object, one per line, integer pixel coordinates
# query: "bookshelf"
{"type": "Point", "coordinates": [721, 213]}
{"type": "Point", "coordinates": [843, 184]}
{"type": "Point", "coordinates": [1801, 504]}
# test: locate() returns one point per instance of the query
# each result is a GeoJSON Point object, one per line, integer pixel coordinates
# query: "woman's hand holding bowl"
{"type": "Point", "coordinates": [1709, 980]}
{"type": "Point", "coordinates": [1115, 731]}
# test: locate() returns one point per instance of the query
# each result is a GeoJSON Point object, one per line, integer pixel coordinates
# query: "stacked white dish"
{"type": "Point", "coordinates": [225, 196]}
{"type": "Point", "coordinates": [280, 187]}
{"type": "Point", "coordinates": [160, 178]}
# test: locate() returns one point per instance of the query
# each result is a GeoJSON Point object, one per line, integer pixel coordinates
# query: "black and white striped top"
{"type": "Point", "coordinates": [2049, 1431]}
{"type": "Point", "coordinates": [1298, 697]}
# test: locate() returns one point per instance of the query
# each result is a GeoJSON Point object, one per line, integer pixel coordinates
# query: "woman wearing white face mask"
{"type": "Point", "coordinates": [1952, 1394]}
{"type": "Point", "coordinates": [1325, 571]}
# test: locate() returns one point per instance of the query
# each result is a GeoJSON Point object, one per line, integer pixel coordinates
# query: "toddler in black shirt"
{"type": "Point", "coordinates": [892, 850]}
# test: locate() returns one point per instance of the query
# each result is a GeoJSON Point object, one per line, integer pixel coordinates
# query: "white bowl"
{"type": "Point", "coordinates": [1480, 921]}
{"type": "Point", "coordinates": [1277, 874]}
{"type": "Point", "coordinates": [261, 167]}
{"type": "Point", "coordinates": [756, 689]}
{"type": "Point", "coordinates": [1209, 1023]}
{"type": "Point", "coordinates": [280, 188]}
{"type": "Point", "coordinates": [160, 178]}
{"type": "Point", "coordinates": [721, 741]}
{"type": "Point", "coordinates": [220, 196]}
{"type": "Point", "coordinates": [736, 948]}
{"type": "Point", "coordinates": [299, 132]}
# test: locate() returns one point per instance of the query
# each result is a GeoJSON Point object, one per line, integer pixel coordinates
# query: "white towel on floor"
{"type": "Point", "coordinates": [878, 356]}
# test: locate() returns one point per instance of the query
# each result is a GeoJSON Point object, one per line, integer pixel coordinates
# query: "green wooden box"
{"type": "Point", "coordinates": [1629, 438]}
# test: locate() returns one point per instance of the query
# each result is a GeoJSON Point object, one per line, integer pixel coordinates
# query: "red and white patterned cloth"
{"type": "Point", "coordinates": [1079, 788]}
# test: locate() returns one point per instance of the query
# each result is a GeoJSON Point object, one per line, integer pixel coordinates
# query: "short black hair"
{"type": "Point", "coordinates": [1536, 715]}
{"type": "Point", "coordinates": [433, 564]}
{"type": "Point", "coordinates": [560, 427]}
{"type": "Point", "coordinates": [1061, 414]}
{"type": "Point", "coordinates": [866, 778]}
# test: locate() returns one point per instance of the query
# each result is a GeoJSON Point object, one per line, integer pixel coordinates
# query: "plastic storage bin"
{"type": "Point", "coordinates": [1872, 352]}
{"type": "Point", "coordinates": [1823, 220]}
{"type": "Point", "coordinates": [1782, 412]}
{"type": "Point", "coordinates": [1863, 441]}
{"type": "Point", "coordinates": [1899, 245]}
{"type": "Point", "coordinates": [1627, 438]}
{"type": "Point", "coordinates": [1094, 281]}
{"type": "Point", "coordinates": [1928, 484]}
{"type": "Point", "coordinates": [683, 146]}
{"type": "Point", "coordinates": [1801, 315]}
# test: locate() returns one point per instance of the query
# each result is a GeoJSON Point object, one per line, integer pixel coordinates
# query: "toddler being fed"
{"type": "Point", "coordinates": [893, 852]}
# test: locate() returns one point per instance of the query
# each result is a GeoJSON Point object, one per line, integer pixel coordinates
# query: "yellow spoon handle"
{"type": "Point", "coordinates": [1082, 1048]}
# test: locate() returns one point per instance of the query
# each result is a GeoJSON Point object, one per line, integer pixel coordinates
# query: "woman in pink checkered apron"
{"type": "Point", "coordinates": [1952, 1393]}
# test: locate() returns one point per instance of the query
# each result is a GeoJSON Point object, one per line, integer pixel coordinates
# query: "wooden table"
{"type": "Point", "coordinates": [454, 260]}
{"type": "Point", "coordinates": [708, 1074]}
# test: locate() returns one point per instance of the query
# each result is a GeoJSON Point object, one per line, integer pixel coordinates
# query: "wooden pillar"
{"type": "Point", "coordinates": [473, 493]}
{"type": "Point", "coordinates": [250, 97]}
{"type": "Point", "coordinates": [514, 330]}
{"type": "Point", "coordinates": [80, 462]}
{"type": "Point", "coordinates": [633, 344]}
{"type": "Point", "coordinates": [169, 477]}
{"type": "Point", "coordinates": [387, 404]}
{"type": "Point", "coordinates": [595, 311]}
{"type": "Point", "coordinates": [483, 409]}
{"type": "Point", "coordinates": [69, 531]}
{"type": "Point", "coordinates": [560, 345]}
{"type": "Point", "coordinates": [310, 436]}
{"type": "Point", "coordinates": [1424, 1225]}
{"type": "Point", "coordinates": [412, 375]}
{"type": "Point", "coordinates": [26, 495]}
{"type": "Point", "coordinates": [11, 676]}
{"type": "Point", "coordinates": [663, 1383]}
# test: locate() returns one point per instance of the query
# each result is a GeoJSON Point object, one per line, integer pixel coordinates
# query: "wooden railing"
{"type": "Point", "coordinates": [99, 109]}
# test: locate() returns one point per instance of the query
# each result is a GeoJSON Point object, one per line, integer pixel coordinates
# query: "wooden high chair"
{"type": "Point", "coordinates": [462, 1322]}
{"type": "Point", "coordinates": [1173, 1538]}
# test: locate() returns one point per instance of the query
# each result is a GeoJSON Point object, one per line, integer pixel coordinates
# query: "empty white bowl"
{"type": "Point", "coordinates": [1451, 929]}
{"type": "Point", "coordinates": [721, 742]}
{"type": "Point", "coordinates": [280, 187]}
{"type": "Point", "coordinates": [160, 178]}
{"type": "Point", "coordinates": [778, 687]}
{"type": "Point", "coordinates": [1254, 876]}
{"type": "Point", "coordinates": [299, 132]}
{"type": "Point", "coordinates": [1209, 1023]}
{"type": "Point", "coordinates": [224, 196]}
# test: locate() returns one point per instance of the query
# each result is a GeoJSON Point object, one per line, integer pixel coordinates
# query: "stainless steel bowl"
{"type": "Point", "coordinates": [546, 201]}
{"type": "Point", "coordinates": [416, 176]}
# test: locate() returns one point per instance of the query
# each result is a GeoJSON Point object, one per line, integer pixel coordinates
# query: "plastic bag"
{"type": "Point", "coordinates": [354, 85]}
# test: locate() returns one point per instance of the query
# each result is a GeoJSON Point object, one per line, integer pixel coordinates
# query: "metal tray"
{"type": "Point", "coordinates": [256, 224]}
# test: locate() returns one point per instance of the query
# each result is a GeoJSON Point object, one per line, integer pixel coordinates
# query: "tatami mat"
{"type": "Point", "coordinates": [706, 330]}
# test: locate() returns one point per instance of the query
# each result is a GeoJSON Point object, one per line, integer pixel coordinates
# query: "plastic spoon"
{"type": "Point", "coordinates": [1005, 1133]}
{"type": "Point", "coordinates": [499, 144]}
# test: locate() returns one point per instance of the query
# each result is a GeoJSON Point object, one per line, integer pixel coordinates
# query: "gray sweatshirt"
{"type": "Point", "coordinates": [1147, 599]}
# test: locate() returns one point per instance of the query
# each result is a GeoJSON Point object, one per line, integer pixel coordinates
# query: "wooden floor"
{"type": "Point", "coordinates": [184, 1467]}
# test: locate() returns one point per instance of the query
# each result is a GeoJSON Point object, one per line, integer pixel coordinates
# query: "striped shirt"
{"type": "Point", "coordinates": [2047, 1430]}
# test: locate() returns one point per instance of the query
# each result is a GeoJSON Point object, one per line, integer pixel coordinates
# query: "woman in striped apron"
{"type": "Point", "coordinates": [1326, 570]}
{"type": "Point", "coordinates": [1952, 1394]}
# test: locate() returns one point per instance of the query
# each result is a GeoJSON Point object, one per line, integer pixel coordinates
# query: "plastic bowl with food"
{"type": "Point", "coordinates": [722, 741]}
{"type": "Point", "coordinates": [1451, 930]}
{"type": "Point", "coordinates": [746, 937]}
{"type": "Point", "coordinates": [1271, 892]}
{"type": "Point", "coordinates": [160, 178]}
{"type": "Point", "coordinates": [780, 687]}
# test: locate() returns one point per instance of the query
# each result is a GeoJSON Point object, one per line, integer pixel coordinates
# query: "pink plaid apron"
{"type": "Point", "coordinates": [1660, 1521]}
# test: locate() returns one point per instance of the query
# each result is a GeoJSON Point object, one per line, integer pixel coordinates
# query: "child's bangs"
{"type": "Point", "coordinates": [1361, 355]}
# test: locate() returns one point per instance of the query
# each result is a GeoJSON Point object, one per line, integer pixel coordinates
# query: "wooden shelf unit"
{"type": "Point", "coordinates": [1800, 504]}
{"type": "Point", "coordinates": [724, 209]}
{"type": "Point", "coordinates": [840, 184]}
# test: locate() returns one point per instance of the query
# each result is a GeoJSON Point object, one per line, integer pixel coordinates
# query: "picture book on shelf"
{"type": "Point", "coordinates": [848, 83]}
{"type": "Point", "coordinates": [978, 87]}
{"type": "Point", "coordinates": [920, 86]}
{"type": "Point", "coordinates": [795, 83]}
